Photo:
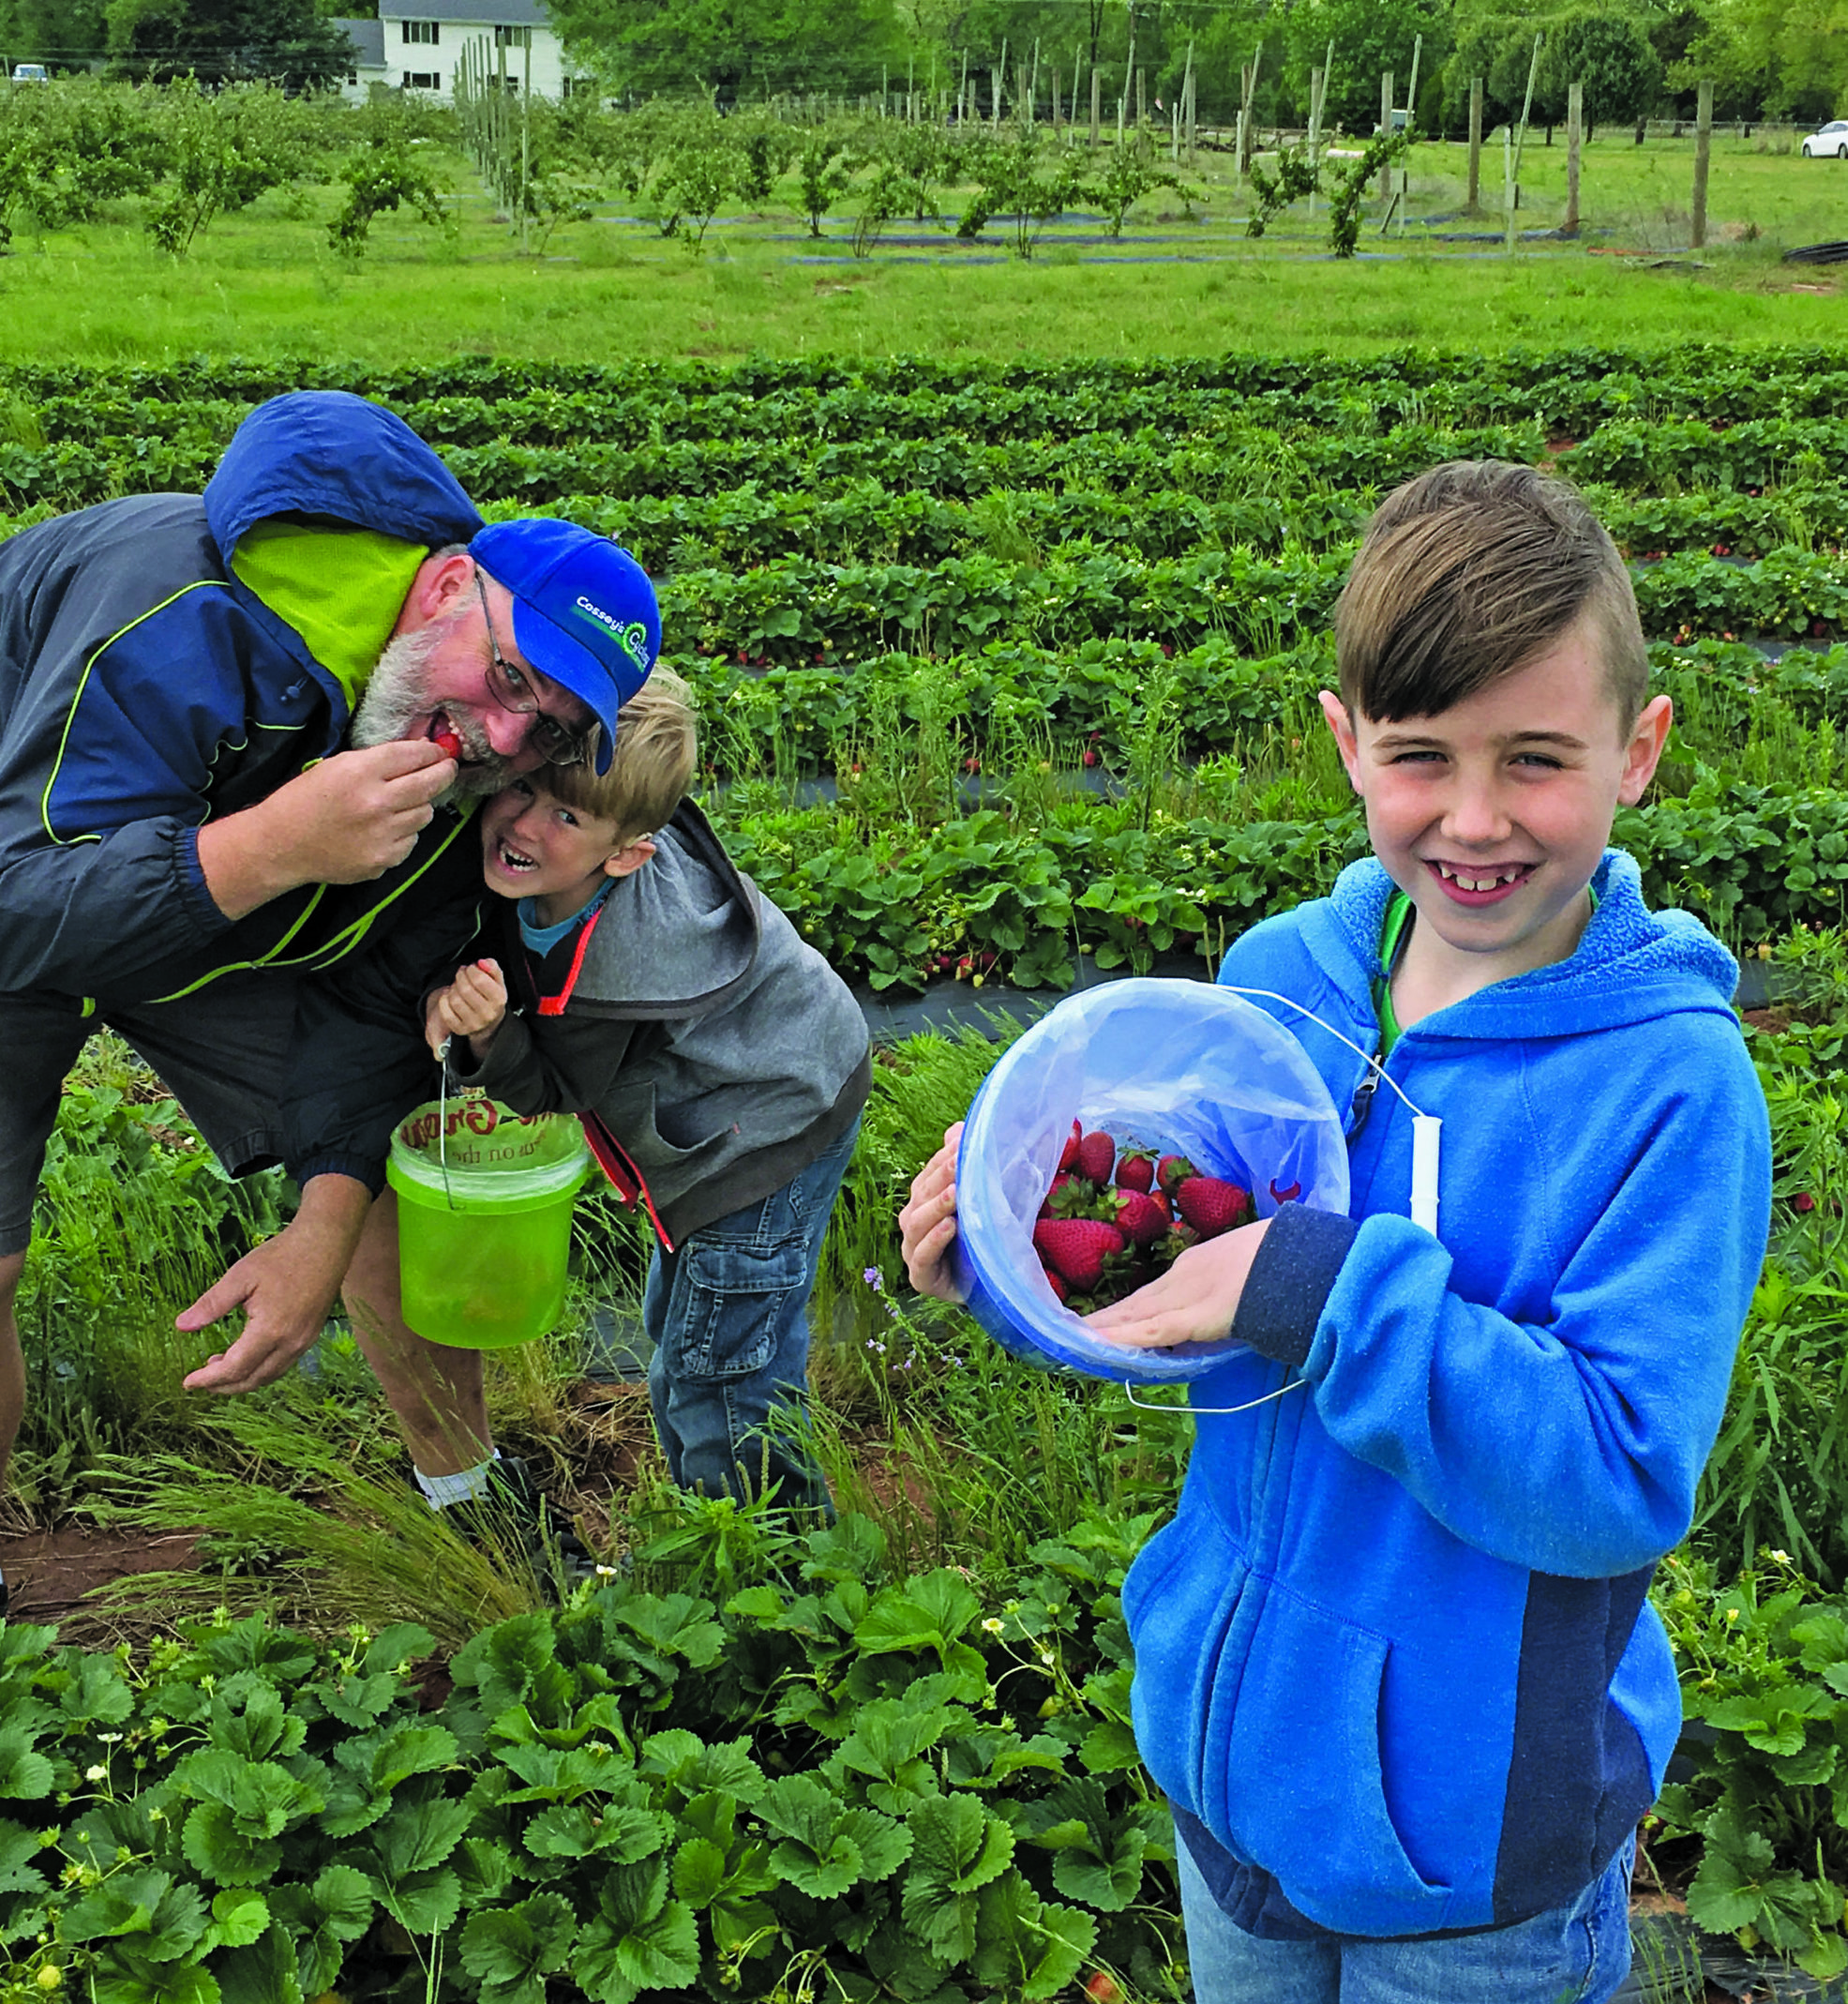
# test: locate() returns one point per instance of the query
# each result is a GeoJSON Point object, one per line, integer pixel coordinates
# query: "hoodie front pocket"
{"type": "Point", "coordinates": [1293, 1774]}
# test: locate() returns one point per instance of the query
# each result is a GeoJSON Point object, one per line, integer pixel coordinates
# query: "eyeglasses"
{"type": "Point", "coordinates": [556, 743]}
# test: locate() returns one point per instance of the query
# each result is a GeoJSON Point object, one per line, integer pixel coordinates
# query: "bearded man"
{"type": "Point", "coordinates": [241, 738]}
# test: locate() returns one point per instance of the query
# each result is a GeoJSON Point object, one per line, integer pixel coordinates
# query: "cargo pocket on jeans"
{"type": "Point", "coordinates": [729, 1300]}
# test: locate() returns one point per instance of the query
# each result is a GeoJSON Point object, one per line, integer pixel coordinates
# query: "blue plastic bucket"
{"type": "Point", "coordinates": [1179, 1067]}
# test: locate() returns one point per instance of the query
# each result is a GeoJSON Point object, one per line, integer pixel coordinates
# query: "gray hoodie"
{"type": "Point", "coordinates": [712, 1054]}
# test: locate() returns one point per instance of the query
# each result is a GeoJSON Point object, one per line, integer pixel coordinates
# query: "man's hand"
{"type": "Point", "coordinates": [287, 1285]}
{"type": "Point", "coordinates": [474, 1005]}
{"type": "Point", "coordinates": [928, 1224]}
{"type": "Point", "coordinates": [346, 820]}
{"type": "Point", "coordinates": [1193, 1302]}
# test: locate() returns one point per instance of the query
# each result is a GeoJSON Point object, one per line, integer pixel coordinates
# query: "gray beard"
{"type": "Point", "coordinates": [396, 694]}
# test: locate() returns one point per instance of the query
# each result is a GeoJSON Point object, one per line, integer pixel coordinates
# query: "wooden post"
{"type": "Point", "coordinates": [1000, 71]}
{"type": "Point", "coordinates": [1096, 104]}
{"type": "Point", "coordinates": [1703, 150]}
{"type": "Point", "coordinates": [1249, 144]}
{"type": "Point", "coordinates": [962, 93]}
{"type": "Point", "coordinates": [1475, 144]}
{"type": "Point", "coordinates": [1511, 145]}
{"type": "Point", "coordinates": [1128, 71]}
{"type": "Point", "coordinates": [1411, 125]}
{"type": "Point", "coordinates": [1318, 90]}
{"type": "Point", "coordinates": [1141, 98]}
{"type": "Point", "coordinates": [1055, 100]}
{"type": "Point", "coordinates": [1174, 119]}
{"type": "Point", "coordinates": [1574, 139]}
{"type": "Point", "coordinates": [1187, 100]}
{"type": "Point", "coordinates": [525, 132]}
{"type": "Point", "coordinates": [1033, 85]}
{"type": "Point", "coordinates": [1385, 125]}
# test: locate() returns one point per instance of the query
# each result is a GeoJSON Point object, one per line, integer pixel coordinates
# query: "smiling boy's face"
{"type": "Point", "coordinates": [534, 845]}
{"type": "Point", "coordinates": [1493, 816]}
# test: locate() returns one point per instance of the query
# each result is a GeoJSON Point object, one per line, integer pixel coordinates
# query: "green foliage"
{"type": "Point", "coordinates": [378, 179]}
{"type": "Point", "coordinates": [1128, 174]}
{"type": "Point", "coordinates": [1764, 1664]}
{"type": "Point", "coordinates": [640, 1791]}
{"type": "Point", "coordinates": [226, 149]}
{"type": "Point", "coordinates": [289, 43]}
{"type": "Point", "coordinates": [824, 178]}
{"type": "Point", "coordinates": [1351, 185]}
{"type": "Point", "coordinates": [1033, 181]}
{"type": "Point", "coordinates": [694, 181]}
{"type": "Point", "coordinates": [1298, 174]}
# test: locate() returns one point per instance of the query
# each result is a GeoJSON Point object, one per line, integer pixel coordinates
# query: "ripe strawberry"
{"type": "Point", "coordinates": [1171, 1172]}
{"type": "Point", "coordinates": [1068, 1156]}
{"type": "Point", "coordinates": [1100, 1987]}
{"type": "Point", "coordinates": [1058, 1287]}
{"type": "Point", "coordinates": [1077, 1248]}
{"type": "Point", "coordinates": [1139, 1217]}
{"type": "Point", "coordinates": [1209, 1205]}
{"type": "Point", "coordinates": [1067, 1187]}
{"type": "Point", "coordinates": [448, 743]}
{"type": "Point", "coordinates": [1097, 1157]}
{"type": "Point", "coordinates": [1136, 1171]}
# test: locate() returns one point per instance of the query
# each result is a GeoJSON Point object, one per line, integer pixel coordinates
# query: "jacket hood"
{"type": "Point", "coordinates": [1632, 965]}
{"type": "Point", "coordinates": [676, 935]}
{"type": "Point", "coordinates": [330, 454]}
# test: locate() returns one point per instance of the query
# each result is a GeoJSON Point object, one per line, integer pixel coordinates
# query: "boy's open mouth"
{"type": "Point", "coordinates": [513, 860]}
{"type": "Point", "coordinates": [1481, 884]}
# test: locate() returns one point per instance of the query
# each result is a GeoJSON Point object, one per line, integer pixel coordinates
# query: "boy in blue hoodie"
{"type": "Point", "coordinates": [1396, 1668]}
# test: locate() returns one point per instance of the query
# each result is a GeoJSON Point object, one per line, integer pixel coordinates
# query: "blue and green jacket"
{"type": "Point", "coordinates": [1396, 1668]}
{"type": "Point", "coordinates": [146, 687]}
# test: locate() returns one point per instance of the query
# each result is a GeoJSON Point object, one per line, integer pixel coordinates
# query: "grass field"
{"type": "Point", "coordinates": [264, 282]}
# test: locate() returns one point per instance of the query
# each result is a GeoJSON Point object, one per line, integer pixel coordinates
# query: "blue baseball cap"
{"type": "Point", "coordinates": [584, 613]}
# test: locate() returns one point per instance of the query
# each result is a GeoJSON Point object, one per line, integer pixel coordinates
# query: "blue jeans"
{"type": "Point", "coordinates": [1575, 1954]}
{"type": "Point", "coordinates": [728, 1314]}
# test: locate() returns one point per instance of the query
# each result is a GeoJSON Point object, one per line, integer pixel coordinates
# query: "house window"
{"type": "Point", "coordinates": [421, 31]}
{"type": "Point", "coordinates": [506, 37]}
{"type": "Point", "coordinates": [422, 80]}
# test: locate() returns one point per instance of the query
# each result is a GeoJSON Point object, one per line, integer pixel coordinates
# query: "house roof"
{"type": "Point", "coordinates": [369, 41]}
{"type": "Point", "coordinates": [469, 13]}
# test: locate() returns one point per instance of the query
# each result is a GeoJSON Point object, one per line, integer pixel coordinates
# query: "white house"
{"type": "Point", "coordinates": [413, 48]}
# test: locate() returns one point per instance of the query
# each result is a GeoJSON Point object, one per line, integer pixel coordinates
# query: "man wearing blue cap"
{"type": "Point", "coordinates": [238, 732]}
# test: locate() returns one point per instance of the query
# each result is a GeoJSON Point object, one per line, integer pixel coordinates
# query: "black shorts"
{"type": "Point", "coordinates": [222, 1052]}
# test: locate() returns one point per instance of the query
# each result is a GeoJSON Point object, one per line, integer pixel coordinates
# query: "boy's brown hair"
{"type": "Point", "coordinates": [1469, 572]}
{"type": "Point", "coordinates": [658, 747]}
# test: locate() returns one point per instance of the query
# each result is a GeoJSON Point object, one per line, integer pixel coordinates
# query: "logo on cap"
{"type": "Point", "coordinates": [632, 639]}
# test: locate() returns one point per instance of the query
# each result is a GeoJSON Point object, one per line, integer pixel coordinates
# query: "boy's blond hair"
{"type": "Point", "coordinates": [658, 747]}
{"type": "Point", "coordinates": [1472, 571]}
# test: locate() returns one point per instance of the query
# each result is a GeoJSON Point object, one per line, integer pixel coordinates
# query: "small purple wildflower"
{"type": "Point", "coordinates": [874, 1279]}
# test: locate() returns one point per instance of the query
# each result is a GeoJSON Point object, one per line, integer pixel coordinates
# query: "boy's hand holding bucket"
{"type": "Point", "coordinates": [474, 1005]}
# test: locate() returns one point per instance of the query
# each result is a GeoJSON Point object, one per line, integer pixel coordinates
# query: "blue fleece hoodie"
{"type": "Point", "coordinates": [1396, 1667]}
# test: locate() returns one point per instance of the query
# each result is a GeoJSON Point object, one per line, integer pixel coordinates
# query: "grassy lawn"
{"type": "Point", "coordinates": [263, 281]}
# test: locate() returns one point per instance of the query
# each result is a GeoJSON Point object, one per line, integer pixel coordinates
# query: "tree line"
{"type": "Point", "coordinates": [1782, 59]}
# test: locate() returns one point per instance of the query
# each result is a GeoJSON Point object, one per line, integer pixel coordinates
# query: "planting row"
{"type": "Point", "coordinates": [869, 522]}
{"type": "Point", "coordinates": [1235, 461]}
{"type": "Point", "coordinates": [1012, 703]}
{"type": "Point", "coordinates": [984, 893]}
{"type": "Point", "coordinates": [1572, 389]}
{"type": "Point", "coordinates": [798, 608]}
{"type": "Point", "coordinates": [640, 1793]}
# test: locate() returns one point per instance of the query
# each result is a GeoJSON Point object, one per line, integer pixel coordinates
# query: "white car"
{"type": "Point", "coordinates": [30, 73]}
{"type": "Point", "coordinates": [1831, 143]}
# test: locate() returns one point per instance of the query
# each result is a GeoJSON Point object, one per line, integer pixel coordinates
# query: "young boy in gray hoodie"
{"type": "Point", "coordinates": [718, 1062]}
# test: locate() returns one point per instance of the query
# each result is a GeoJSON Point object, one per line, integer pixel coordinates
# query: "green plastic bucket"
{"type": "Point", "coordinates": [484, 1219]}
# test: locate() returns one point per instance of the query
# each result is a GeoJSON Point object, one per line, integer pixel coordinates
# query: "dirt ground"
{"type": "Point", "coordinates": [49, 1573]}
